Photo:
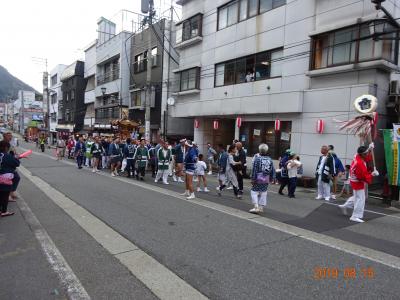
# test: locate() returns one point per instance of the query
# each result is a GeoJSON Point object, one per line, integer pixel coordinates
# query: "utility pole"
{"type": "Point", "coordinates": [22, 118]}
{"type": "Point", "coordinates": [149, 63]}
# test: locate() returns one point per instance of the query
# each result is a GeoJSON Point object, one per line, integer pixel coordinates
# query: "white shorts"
{"type": "Point", "coordinates": [189, 172]}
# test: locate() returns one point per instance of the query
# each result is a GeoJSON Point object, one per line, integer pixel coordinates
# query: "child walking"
{"type": "Point", "coordinates": [346, 183]}
{"type": "Point", "coordinates": [201, 168]}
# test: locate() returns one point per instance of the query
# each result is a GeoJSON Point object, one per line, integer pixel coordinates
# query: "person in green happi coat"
{"type": "Point", "coordinates": [164, 156]}
{"type": "Point", "coordinates": [141, 156]}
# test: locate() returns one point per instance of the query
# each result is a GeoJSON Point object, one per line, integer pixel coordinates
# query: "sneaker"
{"type": "Point", "coordinates": [260, 209]}
{"type": "Point", "coordinates": [192, 196]}
{"type": "Point", "coordinates": [254, 210]}
{"type": "Point", "coordinates": [229, 188]}
{"type": "Point", "coordinates": [209, 173]}
{"type": "Point", "coordinates": [113, 174]}
{"type": "Point", "coordinates": [239, 196]}
{"type": "Point", "coordinates": [280, 193]}
{"type": "Point", "coordinates": [174, 178]}
{"type": "Point", "coordinates": [186, 193]}
{"type": "Point", "coordinates": [333, 197]}
{"type": "Point", "coordinates": [195, 179]}
{"type": "Point", "coordinates": [358, 220]}
{"type": "Point", "coordinates": [217, 188]}
{"type": "Point", "coordinates": [93, 171]}
{"type": "Point", "coordinates": [180, 180]}
{"type": "Point", "coordinates": [206, 190]}
{"type": "Point", "coordinates": [155, 181]}
{"type": "Point", "coordinates": [165, 182]}
{"type": "Point", "coordinates": [327, 198]}
{"type": "Point", "coordinates": [199, 189]}
{"type": "Point", "coordinates": [319, 197]}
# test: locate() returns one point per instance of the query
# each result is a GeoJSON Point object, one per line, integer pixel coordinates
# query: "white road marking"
{"type": "Point", "coordinates": [159, 279]}
{"type": "Point", "coordinates": [344, 246]}
{"type": "Point", "coordinates": [68, 279]}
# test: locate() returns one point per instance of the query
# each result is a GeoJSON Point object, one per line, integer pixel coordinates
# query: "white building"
{"type": "Point", "coordinates": [112, 74]}
{"type": "Point", "coordinates": [252, 59]}
{"type": "Point", "coordinates": [90, 76]}
{"type": "Point", "coordinates": [26, 109]}
{"type": "Point", "coordinates": [55, 97]}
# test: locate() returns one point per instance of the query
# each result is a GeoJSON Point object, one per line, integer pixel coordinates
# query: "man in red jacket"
{"type": "Point", "coordinates": [359, 178]}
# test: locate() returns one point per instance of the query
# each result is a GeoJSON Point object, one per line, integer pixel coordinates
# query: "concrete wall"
{"type": "Point", "coordinates": [57, 70]}
{"type": "Point", "coordinates": [115, 47]}
{"type": "Point", "coordinates": [299, 96]}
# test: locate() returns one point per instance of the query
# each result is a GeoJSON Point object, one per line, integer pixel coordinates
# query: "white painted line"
{"type": "Point", "coordinates": [344, 246]}
{"type": "Point", "coordinates": [160, 280]}
{"type": "Point", "coordinates": [68, 279]}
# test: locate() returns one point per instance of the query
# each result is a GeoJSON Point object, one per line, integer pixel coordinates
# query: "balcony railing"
{"type": "Point", "coordinates": [108, 77]}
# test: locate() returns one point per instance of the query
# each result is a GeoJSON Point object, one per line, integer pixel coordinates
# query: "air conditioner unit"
{"type": "Point", "coordinates": [394, 87]}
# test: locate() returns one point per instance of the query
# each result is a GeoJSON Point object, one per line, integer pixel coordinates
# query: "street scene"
{"type": "Point", "coordinates": [230, 149]}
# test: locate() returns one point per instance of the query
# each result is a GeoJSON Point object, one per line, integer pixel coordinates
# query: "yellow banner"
{"type": "Point", "coordinates": [395, 162]}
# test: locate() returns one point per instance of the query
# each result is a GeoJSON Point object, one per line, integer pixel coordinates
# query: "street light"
{"type": "Point", "coordinates": [103, 90]}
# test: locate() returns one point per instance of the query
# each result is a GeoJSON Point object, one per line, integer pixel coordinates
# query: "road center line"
{"type": "Point", "coordinates": [344, 246]}
{"type": "Point", "coordinates": [67, 277]}
{"type": "Point", "coordinates": [159, 279]}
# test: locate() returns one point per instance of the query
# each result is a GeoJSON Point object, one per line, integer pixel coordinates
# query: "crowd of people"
{"type": "Point", "coordinates": [184, 163]}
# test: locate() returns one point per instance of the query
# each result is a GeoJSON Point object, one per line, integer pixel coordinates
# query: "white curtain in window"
{"type": "Point", "coordinates": [233, 13]}
{"type": "Point", "coordinates": [276, 63]}
{"type": "Point", "coordinates": [219, 75]}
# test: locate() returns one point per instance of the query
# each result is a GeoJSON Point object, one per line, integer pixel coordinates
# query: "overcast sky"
{"type": "Point", "coordinates": [56, 30]}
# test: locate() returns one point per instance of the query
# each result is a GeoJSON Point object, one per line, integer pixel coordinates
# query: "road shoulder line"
{"type": "Point", "coordinates": [73, 287]}
{"type": "Point", "coordinates": [159, 279]}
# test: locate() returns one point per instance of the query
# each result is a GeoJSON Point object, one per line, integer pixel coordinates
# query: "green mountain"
{"type": "Point", "coordinates": [10, 85]}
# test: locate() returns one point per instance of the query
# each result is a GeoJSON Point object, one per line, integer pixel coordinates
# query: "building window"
{"type": "Point", "coordinates": [72, 95]}
{"type": "Point", "coordinates": [255, 67]}
{"type": "Point", "coordinates": [240, 10]}
{"type": "Point", "coordinates": [140, 63]}
{"type": "Point", "coordinates": [252, 134]}
{"type": "Point", "coordinates": [53, 80]}
{"type": "Point", "coordinates": [53, 117]}
{"type": "Point", "coordinates": [189, 79]}
{"type": "Point", "coordinates": [108, 71]}
{"type": "Point", "coordinates": [189, 29]}
{"type": "Point", "coordinates": [351, 45]}
{"type": "Point", "coordinates": [53, 98]}
{"type": "Point", "coordinates": [136, 99]}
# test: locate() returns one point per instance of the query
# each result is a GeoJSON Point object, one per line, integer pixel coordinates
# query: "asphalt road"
{"type": "Point", "coordinates": [221, 255]}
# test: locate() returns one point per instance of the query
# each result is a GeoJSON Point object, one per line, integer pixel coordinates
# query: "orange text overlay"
{"type": "Point", "coordinates": [345, 273]}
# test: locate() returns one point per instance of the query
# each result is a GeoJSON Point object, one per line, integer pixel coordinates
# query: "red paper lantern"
{"type": "Point", "coordinates": [196, 123]}
{"type": "Point", "coordinates": [238, 122]}
{"type": "Point", "coordinates": [216, 125]}
{"type": "Point", "coordinates": [277, 125]}
{"type": "Point", "coordinates": [320, 126]}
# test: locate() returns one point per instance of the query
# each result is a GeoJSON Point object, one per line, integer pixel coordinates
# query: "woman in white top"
{"type": "Point", "coordinates": [293, 166]}
{"type": "Point", "coordinates": [201, 168]}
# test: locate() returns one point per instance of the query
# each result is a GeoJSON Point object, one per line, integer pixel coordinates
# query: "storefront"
{"type": "Point", "coordinates": [252, 134]}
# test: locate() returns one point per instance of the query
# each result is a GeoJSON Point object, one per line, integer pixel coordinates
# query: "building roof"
{"type": "Point", "coordinates": [71, 70]}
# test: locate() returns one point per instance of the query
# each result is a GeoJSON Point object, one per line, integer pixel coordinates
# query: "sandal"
{"type": "Point", "coordinates": [7, 214]}
{"type": "Point", "coordinates": [12, 200]}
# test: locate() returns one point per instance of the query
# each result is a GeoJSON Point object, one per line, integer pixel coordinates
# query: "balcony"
{"type": "Point", "coordinates": [108, 76]}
